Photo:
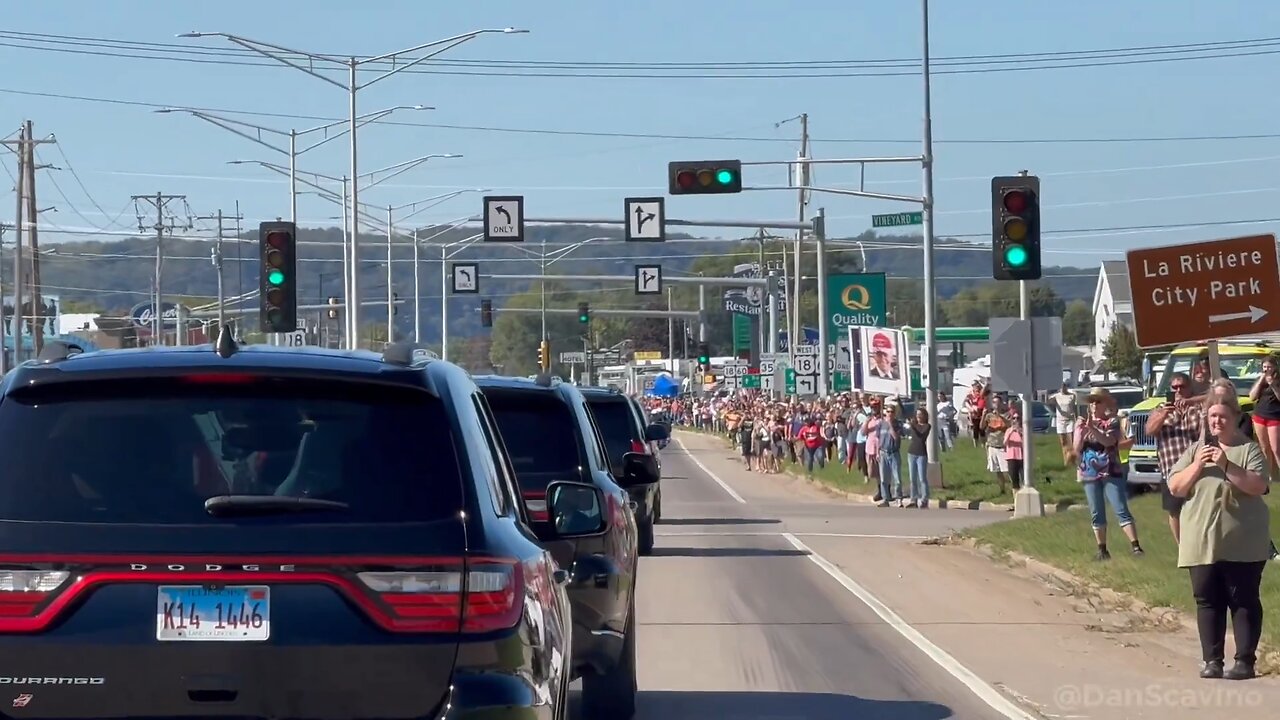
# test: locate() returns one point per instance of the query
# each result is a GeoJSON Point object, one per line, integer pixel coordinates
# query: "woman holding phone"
{"type": "Point", "coordinates": [1097, 447]}
{"type": "Point", "coordinates": [1226, 536]}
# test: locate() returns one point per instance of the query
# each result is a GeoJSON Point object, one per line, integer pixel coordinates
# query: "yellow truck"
{"type": "Point", "coordinates": [1239, 359]}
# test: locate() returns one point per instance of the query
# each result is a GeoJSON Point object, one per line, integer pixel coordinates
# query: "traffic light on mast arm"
{"type": "Point", "coordinates": [1015, 228]}
{"type": "Point", "coordinates": [277, 277]}
{"type": "Point", "coordinates": [486, 313]}
{"type": "Point", "coordinates": [704, 356]}
{"type": "Point", "coordinates": [704, 177]}
{"type": "Point", "coordinates": [584, 313]}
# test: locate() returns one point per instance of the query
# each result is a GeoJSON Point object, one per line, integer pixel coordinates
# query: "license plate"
{"type": "Point", "coordinates": [193, 612]}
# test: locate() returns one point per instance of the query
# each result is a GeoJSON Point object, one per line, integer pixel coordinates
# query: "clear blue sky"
{"type": "Point", "coordinates": [120, 150]}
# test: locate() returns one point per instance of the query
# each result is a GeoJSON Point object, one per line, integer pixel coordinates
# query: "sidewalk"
{"type": "Point", "coordinates": [1057, 655]}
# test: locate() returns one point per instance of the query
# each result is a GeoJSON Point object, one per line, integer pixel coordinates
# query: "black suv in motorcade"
{"type": "Point", "coordinates": [622, 425]}
{"type": "Point", "coordinates": [550, 435]}
{"type": "Point", "coordinates": [262, 533]}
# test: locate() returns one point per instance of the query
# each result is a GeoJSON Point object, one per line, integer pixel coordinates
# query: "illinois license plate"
{"type": "Point", "coordinates": [193, 612]}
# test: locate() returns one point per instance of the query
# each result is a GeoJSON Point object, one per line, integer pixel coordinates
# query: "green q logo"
{"type": "Point", "coordinates": [855, 297]}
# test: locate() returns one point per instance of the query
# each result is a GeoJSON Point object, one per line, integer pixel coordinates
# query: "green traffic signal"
{"type": "Point", "coordinates": [724, 177]}
{"type": "Point", "coordinates": [1015, 256]}
{"type": "Point", "coordinates": [275, 277]}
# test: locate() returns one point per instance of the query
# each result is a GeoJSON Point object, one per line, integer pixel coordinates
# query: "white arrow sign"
{"type": "Point", "coordinates": [648, 279]}
{"type": "Point", "coordinates": [645, 219]}
{"type": "Point", "coordinates": [504, 218]}
{"type": "Point", "coordinates": [466, 278]}
{"type": "Point", "coordinates": [1253, 314]}
{"type": "Point", "coordinates": [806, 385]}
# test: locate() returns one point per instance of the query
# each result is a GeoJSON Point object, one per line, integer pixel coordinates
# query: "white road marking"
{"type": "Point", "coordinates": [977, 685]}
{"type": "Point", "coordinates": [799, 534]}
{"type": "Point", "coordinates": [723, 485]}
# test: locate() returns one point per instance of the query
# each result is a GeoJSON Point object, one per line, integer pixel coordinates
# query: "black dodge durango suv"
{"type": "Point", "coordinates": [267, 533]}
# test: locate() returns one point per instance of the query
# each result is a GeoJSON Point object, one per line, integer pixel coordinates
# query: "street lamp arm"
{"type": "Point", "coordinates": [274, 52]}
{"type": "Point", "coordinates": [400, 169]}
{"type": "Point", "coordinates": [460, 245]}
{"type": "Point", "coordinates": [449, 41]}
{"type": "Point", "coordinates": [231, 126]}
{"type": "Point", "coordinates": [361, 121]}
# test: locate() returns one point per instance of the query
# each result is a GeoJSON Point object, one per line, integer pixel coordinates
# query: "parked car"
{"type": "Point", "coordinates": [552, 437]}
{"type": "Point", "coordinates": [246, 532]}
{"type": "Point", "coordinates": [625, 433]}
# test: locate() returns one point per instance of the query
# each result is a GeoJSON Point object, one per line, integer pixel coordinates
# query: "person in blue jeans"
{"type": "Point", "coordinates": [1097, 443]}
{"type": "Point", "coordinates": [888, 430]}
{"type": "Point", "coordinates": [918, 459]}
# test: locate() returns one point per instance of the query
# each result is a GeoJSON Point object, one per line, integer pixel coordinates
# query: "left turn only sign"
{"type": "Point", "coordinates": [504, 218]}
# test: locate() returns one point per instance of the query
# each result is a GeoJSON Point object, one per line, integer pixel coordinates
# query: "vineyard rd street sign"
{"type": "Point", "coordinates": [1205, 291]}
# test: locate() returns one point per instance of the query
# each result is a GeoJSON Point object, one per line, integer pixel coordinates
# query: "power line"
{"type": "Point", "coordinates": [889, 67]}
{"type": "Point", "coordinates": [245, 52]}
{"type": "Point", "coordinates": [658, 136]}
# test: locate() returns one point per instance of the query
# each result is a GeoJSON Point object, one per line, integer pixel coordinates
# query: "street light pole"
{"type": "Point", "coordinates": [352, 86]}
{"type": "Point", "coordinates": [417, 290]}
{"type": "Point", "coordinates": [929, 361]}
{"type": "Point", "coordinates": [391, 305]}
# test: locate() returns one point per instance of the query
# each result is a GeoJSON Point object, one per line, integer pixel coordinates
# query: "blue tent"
{"type": "Point", "coordinates": [664, 386]}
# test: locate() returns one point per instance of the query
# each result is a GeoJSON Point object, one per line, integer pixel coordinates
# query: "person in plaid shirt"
{"type": "Point", "coordinates": [1175, 425]}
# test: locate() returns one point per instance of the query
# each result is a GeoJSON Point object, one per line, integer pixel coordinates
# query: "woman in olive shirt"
{"type": "Point", "coordinates": [1225, 539]}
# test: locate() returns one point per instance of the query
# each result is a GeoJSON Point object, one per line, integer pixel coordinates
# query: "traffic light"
{"type": "Point", "coordinates": [544, 356]}
{"type": "Point", "coordinates": [584, 313]}
{"type": "Point", "coordinates": [278, 287]}
{"type": "Point", "coordinates": [1015, 228]}
{"type": "Point", "coordinates": [486, 313]}
{"type": "Point", "coordinates": [704, 177]}
{"type": "Point", "coordinates": [704, 356]}
{"type": "Point", "coordinates": [333, 309]}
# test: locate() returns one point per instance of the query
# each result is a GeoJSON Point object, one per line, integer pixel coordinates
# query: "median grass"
{"type": "Point", "coordinates": [1065, 541]}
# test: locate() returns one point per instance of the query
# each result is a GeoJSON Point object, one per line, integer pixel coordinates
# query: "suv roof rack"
{"type": "Point", "coordinates": [408, 354]}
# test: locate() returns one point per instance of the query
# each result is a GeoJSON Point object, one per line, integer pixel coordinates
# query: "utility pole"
{"type": "Point", "coordinates": [671, 331]}
{"type": "Point", "coordinates": [19, 191]}
{"type": "Point", "coordinates": [160, 202]}
{"type": "Point", "coordinates": [25, 192]}
{"type": "Point", "coordinates": [929, 361]}
{"type": "Point", "coordinates": [217, 261]}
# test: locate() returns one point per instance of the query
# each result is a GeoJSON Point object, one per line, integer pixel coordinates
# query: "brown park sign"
{"type": "Point", "coordinates": [1205, 291]}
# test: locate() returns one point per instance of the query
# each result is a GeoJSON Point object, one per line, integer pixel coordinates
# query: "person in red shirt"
{"type": "Point", "coordinates": [815, 445]}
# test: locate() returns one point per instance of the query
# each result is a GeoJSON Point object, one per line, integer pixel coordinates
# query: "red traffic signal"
{"type": "Point", "coordinates": [1016, 201]}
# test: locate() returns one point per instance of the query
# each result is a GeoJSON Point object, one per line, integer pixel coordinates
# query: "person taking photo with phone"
{"type": "Point", "coordinates": [1265, 395]}
{"type": "Point", "coordinates": [1227, 537]}
{"type": "Point", "coordinates": [1175, 425]}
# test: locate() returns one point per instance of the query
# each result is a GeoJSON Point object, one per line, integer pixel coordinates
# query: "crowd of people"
{"type": "Point", "coordinates": [1217, 462]}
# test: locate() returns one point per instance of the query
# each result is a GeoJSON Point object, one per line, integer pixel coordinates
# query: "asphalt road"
{"type": "Point", "coordinates": [741, 620]}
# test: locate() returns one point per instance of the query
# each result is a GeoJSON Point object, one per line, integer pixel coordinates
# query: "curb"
{"type": "Point", "coordinates": [1165, 618]}
{"type": "Point", "coordinates": [1049, 509]}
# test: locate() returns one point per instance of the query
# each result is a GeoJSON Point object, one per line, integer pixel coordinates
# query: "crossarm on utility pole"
{"type": "Point", "coordinates": [628, 312]}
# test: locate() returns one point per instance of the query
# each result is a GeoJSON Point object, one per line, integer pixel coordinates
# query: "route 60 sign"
{"type": "Point", "coordinates": [806, 365]}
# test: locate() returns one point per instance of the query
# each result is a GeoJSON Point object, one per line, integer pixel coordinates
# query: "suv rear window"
{"type": "Point", "coordinates": [617, 423]}
{"type": "Point", "coordinates": [153, 452]}
{"type": "Point", "coordinates": [538, 430]}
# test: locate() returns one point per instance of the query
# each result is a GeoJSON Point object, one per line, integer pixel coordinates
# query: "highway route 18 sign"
{"type": "Point", "coordinates": [1205, 291]}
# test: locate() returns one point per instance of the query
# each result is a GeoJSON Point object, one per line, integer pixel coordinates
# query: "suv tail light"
{"type": "Point", "coordinates": [638, 447]}
{"type": "Point", "coordinates": [535, 501]}
{"type": "Point", "coordinates": [23, 592]}
{"type": "Point", "coordinates": [486, 596]}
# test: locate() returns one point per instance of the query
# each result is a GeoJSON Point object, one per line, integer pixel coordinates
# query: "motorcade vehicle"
{"type": "Point", "coordinates": [551, 436]}
{"type": "Point", "coordinates": [266, 532]}
{"type": "Point", "coordinates": [625, 433]}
